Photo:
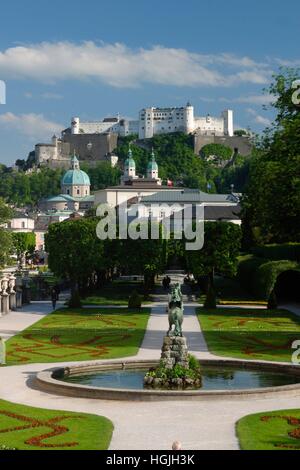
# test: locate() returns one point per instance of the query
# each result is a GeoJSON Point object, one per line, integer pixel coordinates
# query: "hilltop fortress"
{"type": "Point", "coordinates": [96, 140]}
{"type": "Point", "coordinates": [154, 121]}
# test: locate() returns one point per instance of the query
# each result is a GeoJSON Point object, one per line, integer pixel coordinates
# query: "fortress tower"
{"type": "Point", "coordinates": [189, 121]}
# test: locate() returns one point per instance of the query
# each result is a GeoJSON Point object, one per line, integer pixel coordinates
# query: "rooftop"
{"type": "Point", "coordinates": [188, 195]}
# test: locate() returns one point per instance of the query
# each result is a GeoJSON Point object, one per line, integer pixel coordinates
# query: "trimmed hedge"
{"type": "Point", "coordinates": [277, 252]}
{"type": "Point", "coordinates": [259, 275]}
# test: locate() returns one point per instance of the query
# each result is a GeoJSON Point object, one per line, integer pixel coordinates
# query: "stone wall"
{"type": "Point", "coordinates": [91, 147]}
{"type": "Point", "coordinates": [241, 143]}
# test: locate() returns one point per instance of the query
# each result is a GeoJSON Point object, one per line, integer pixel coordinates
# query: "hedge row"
{"type": "Point", "coordinates": [258, 275]}
{"type": "Point", "coordinates": [277, 252]}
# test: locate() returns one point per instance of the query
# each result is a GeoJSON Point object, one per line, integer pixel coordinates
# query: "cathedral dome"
{"type": "Point", "coordinates": [75, 176]}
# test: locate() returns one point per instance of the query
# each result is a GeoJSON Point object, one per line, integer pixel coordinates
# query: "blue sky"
{"type": "Point", "coordinates": [94, 58]}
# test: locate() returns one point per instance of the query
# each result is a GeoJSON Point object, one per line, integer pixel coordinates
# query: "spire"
{"type": "Point", "coordinates": [153, 155]}
{"type": "Point", "coordinates": [129, 151]}
{"type": "Point", "coordinates": [75, 162]}
{"type": "Point", "coordinates": [152, 168]}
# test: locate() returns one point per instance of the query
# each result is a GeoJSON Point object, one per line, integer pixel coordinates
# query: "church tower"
{"type": "Point", "coordinates": [152, 168]}
{"type": "Point", "coordinates": [129, 168]}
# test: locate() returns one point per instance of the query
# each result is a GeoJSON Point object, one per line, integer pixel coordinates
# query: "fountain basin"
{"type": "Point", "coordinates": [64, 381]}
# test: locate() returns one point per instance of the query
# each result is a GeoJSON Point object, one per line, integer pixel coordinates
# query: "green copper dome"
{"type": "Point", "coordinates": [75, 176]}
{"type": "Point", "coordinates": [129, 162]}
{"type": "Point", "coordinates": [152, 165]}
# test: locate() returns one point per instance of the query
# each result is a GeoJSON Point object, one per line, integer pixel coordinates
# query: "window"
{"type": "Point", "coordinates": [78, 192]}
{"type": "Point", "coordinates": [23, 224]}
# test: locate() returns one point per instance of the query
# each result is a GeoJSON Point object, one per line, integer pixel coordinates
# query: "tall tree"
{"type": "Point", "coordinates": [75, 252]}
{"type": "Point", "coordinates": [271, 204]}
{"type": "Point", "coordinates": [222, 242]}
{"type": "Point", "coordinates": [23, 244]}
{"type": "Point", "coordinates": [5, 236]}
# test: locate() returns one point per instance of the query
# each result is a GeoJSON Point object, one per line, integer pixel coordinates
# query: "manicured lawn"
{"type": "Point", "coordinates": [78, 335]}
{"type": "Point", "coordinates": [26, 428]}
{"type": "Point", "coordinates": [278, 430]}
{"type": "Point", "coordinates": [250, 334]}
{"type": "Point", "coordinates": [116, 293]}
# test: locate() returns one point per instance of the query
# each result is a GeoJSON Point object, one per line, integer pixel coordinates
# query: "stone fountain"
{"type": "Point", "coordinates": [176, 368]}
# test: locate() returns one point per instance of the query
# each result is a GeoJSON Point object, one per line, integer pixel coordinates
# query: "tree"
{"type": "Point", "coordinates": [222, 242]}
{"type": "Point", "coordinates": [217, 153]}
{"type": "Point", "coordinates": [5, 236]}
{"type": "Point", "coordinates": [146, 257]}
{"type": "Point", "coordinates": [175, 157]}
{"type": "Point", "coordinates": [271, 203]}
{"type": "Point", "coordinates": [241, 132]}
{"type": "Point", "coordinates": [23, 244]}
{"type": "Point", "coordinates": [75, 252]}
{"type": "Point", "coordinates": [102, 175]}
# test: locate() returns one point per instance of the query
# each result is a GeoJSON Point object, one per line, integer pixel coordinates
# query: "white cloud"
{"type": "Point", "coordinates": [258, 119]}
{"type": "Point", "coordinates": [34, 126]}
{"type": "Point", "coordinates": [250, 99]}
{"type": "Point", "coordinates": [121, 66]}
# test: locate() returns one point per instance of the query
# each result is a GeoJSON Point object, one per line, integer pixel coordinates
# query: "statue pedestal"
{"type": "Point", "coordinates": [5, 304]}
{"type": "Point", "coordinates": [174, 351]}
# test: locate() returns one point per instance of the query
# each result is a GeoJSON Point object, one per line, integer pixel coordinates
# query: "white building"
{"type": "Point", "coordinates": [21, 222]}
{"type": "Point", "coordinates": [154, 121]}
{"type": "Point", "coordinates": [115, 125]}
{"type": "Point", "coordinates": [142, 197]}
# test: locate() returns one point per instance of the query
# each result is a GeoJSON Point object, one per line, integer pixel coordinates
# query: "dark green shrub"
{"type": "Point", "coordinates": [277, 252]}
{"type": "Point", "coordinates": [135, 300]}
{"type": "Point", "coordinates": [75, 301]}
{"type": "Point", "coordinates": [259, 275]}
{"type": "Point", "coordinates": [272, 302]}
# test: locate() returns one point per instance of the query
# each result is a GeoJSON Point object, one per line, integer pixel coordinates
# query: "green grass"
{"type": "Point", "coordinates": [79, 335]}
{"type": "Point", "coordinates": [250, 334]}
{"type": "Point", "coordinates": [27, 428]}
{"type": "Point", "coordinates": [276, 430]}
{"type": "Point", "coordinates": [116, 293]}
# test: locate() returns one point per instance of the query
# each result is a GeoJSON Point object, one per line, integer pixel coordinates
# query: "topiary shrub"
{"type": "Point", "coordinates": [75, 301]}
{"type": "Point", "coordinates": [135, 300]}
{"type": "Point", "coordinates": [210, 300]}
{"type": "Point", "coordinates": [259, 275]}
{"type": "Point", "coordinates": [272, 302]}
{"type": "Point", "coordinates": [278, 252]}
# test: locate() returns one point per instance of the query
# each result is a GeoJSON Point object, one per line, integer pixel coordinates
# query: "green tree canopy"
{"type": "Point", "coordinates": [222, 242]}
{"type": "Point", "coordinates": [75, 252]}
{"type": "Point", "coordinates": [5, 236]}
{"type": "Point", "coordinates": [271, 204]}
{"type": "Point", "coordinates": [23, 243]}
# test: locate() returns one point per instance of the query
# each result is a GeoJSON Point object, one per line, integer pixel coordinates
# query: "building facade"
{"type": "Point", "coordinates": [153, 121]}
